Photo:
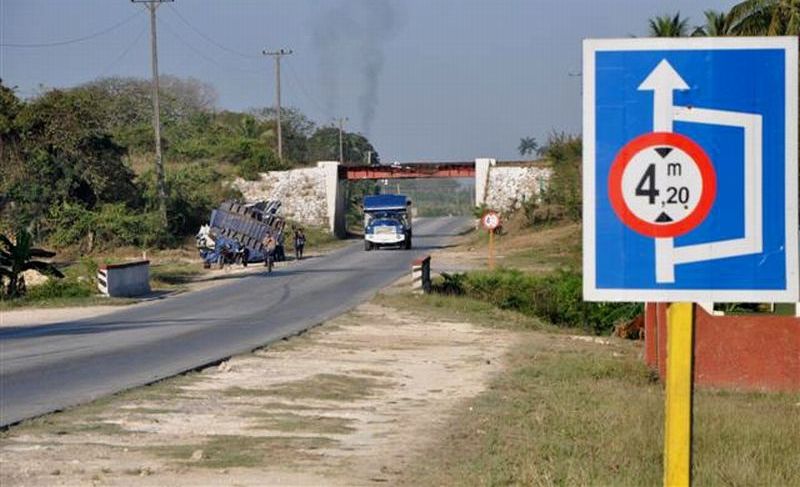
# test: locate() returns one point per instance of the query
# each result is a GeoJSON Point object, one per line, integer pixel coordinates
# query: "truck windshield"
{"type": "Point", "coordinates": [384, 214]}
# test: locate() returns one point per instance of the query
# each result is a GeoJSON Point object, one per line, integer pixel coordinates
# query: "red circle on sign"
{"type": "Point", "coordinates": [694, 151]}
{"type": "Point", "coordinates": [487, 218]}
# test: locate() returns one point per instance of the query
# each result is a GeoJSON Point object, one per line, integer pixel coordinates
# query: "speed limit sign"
{"type": "Point", "coordinates": [662, 184]}
{"type": "Point", "coordinates": [490, 220]}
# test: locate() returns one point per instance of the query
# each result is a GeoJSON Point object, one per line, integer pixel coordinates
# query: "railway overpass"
{"type": "Point", "coordinates": [487, 174]}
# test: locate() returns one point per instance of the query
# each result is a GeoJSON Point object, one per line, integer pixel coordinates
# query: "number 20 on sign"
{"type": "Point", "coordinates": [689, 187]}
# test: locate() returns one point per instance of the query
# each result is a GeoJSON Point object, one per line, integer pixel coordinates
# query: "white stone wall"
{"type": "Point", "coordinates": [301, 191]}
{"type": "Point", "coordinates": [509, 186]}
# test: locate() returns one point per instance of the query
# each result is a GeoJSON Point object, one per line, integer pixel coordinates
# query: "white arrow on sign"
{"type": "Point", "coordinates": [663, 80]}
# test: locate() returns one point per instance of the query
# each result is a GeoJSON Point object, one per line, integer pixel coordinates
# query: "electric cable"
{"type": "Point", "coordinates": [75, 40]}
{"type": "Point", "coordinates": [209, 38]}
{"type": "Point", "coordinates": [199, 52]}
{"type": "Point", "coordinates": [124, 53]}
{"type": "Point", "coordinates": [321, 110]}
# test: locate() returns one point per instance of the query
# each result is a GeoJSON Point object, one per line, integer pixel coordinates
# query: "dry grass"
{"type": "Point", "coordinates": [328, 387]}
{"type": "Point", "coordinates": [229, 451]}
{"type": "Point", "coordinates": [569, 412]}
{"type": "Point", "coordinates": [299, 423]}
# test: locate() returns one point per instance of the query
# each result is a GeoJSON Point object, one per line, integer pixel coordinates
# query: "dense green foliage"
{"type": "Point", "coordinates": [555, 297]}
{"type": "Point", "coordinates": [436, 197]}
{"type": "Point", "coordinates": [561, 198]}
{"type": "Point", "coordinates": [77, 165]}
{"type": "Point", "coordinates": [747, 18]}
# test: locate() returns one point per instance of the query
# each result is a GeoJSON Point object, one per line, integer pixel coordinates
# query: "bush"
{"type": "Point", "coordinates": [561, 197]}
{"type": "Point", "coordinates": [116, 225]}
{"type": "Point", "coordinates": [60, 288]}
{"type": "Point", "coordinates": [71, 224]}
{"type": "Point", "coordinates": [557, 298]}
{"type": "Point", "coordinates": [193, 190]}
{"type": "Point", "coordinates": [109, 226]}
{"type": "Point", "coordinates": [260, 160]}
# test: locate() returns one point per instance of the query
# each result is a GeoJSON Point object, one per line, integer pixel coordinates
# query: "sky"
{"type": "Point", "coordinates": [424, 80]}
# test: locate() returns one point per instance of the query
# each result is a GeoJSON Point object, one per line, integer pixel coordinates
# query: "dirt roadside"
{"type": "Point", "coordinates": [348, 403]}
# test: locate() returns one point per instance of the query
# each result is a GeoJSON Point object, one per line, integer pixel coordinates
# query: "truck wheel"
{"type": "Point", "coordinates": [367, 245]}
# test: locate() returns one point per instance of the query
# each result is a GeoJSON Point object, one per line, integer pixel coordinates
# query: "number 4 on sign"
{"type": "Point", "coordinates": [649, 178]}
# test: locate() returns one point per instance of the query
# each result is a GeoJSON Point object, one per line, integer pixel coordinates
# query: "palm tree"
{"type": "Point", "coordinates": [527, 146]}
{"type": "Point", "coordinates": [669, 26]}
{"type": "Point", "coordinates": [717, 25]}
{"type": "Point", "coordinates": [17, 257]}
{"type": "Point", "coordinates": [766, 17]}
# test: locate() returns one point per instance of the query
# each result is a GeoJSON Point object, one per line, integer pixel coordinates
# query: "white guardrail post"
{"type": "Point", "coordinates": [421, 275]}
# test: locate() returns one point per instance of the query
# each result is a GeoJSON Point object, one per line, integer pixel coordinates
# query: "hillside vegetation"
{"type": "Point", "coordinates": [77, 164]}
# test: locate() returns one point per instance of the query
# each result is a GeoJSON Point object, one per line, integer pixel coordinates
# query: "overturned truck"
{"type": "Point", "coordinates": [236, 233]}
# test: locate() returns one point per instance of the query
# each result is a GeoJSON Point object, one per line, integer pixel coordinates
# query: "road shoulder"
{"type": "Point", "coordinates": [350, 402]}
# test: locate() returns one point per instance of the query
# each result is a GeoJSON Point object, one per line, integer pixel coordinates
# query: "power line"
{"type": "Point", "coordinates": [322, 110]}
{"type": "Point", "coordinates": [199, 52]}
{"type": "Point", "coordinates": [75, 40]}
{"type": "Point", "coordinates": [210, 39]}
{"type": "Point", "coordinates": [123, 53]}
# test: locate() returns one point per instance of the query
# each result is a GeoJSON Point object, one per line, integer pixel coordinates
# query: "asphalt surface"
{"type": "Point", "coordinates": [50, 367]}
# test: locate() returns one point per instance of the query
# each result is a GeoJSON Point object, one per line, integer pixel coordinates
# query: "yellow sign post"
{"type": "Point", "coordinates": [678, 406]}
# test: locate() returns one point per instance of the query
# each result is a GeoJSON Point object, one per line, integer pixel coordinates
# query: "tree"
{"type": "Point", "coordinates": [669, 26]}
{"type": "Point", "coordinates": [18, 257]}
{"type": "Point", "coordinates": [324, 146]}
{"type": "Point", "coordinates": [66, 155]}
{"type": "Point", "coordinates": [296, 128]}
{"type": "Point", "coordinates": [527, 146]}
{"type": "Point", "coordinates": [717, 25]}
{"type": "Point", "coordinates": [766, 17]}
{"type": "Point", "coordinates": [9, 144]}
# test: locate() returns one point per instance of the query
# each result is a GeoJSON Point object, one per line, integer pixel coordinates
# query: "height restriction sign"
{"type": "Point", "coordinates": [690, 169]}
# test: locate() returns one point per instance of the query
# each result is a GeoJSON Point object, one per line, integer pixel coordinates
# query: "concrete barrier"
{"type": "Point", "coordinates": [746, 352]}
{"type": "Point", "coordinates": [124, 280]}
{"type": "Point", "coordinates": [421, 275]}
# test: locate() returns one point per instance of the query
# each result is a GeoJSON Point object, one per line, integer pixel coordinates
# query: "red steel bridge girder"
{"type": "Point", "coordinates": [408, 171]}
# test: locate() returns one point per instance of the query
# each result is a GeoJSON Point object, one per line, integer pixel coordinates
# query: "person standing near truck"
{"type": "Point", "coordinates": [270, 244]}
{"type": "Point", "coordinates": [299, 243]}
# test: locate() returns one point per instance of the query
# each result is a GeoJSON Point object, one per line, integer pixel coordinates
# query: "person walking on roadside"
{"type": "Point", "coordinates": [299, 243]}
{"type": "Point", "coordinates": [270, 243]}
{"type": "Point", "coordinates": [280, 252]}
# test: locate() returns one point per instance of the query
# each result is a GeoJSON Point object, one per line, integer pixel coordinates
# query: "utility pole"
{"type": "Point", "coordinates": [277, 56]}
{"type": "Point", "coordinates": [161, 185]}
{"type": "Point", "coordinates": [341, 138]}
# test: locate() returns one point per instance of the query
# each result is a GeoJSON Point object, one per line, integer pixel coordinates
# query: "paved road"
{"type": "Point", "coordinates": [49, 367]}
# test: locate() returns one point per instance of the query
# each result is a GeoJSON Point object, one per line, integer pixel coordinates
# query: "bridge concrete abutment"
{"type": "Point", "coordinates": [335, 197]}
{"type": "Point", "coordinates": [482, 179]}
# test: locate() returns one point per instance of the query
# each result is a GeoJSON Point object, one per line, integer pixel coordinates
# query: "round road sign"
{"type": "Point", "coordinates": [662, 184]}
{"type": "Point", "coordinates": [490, 220]}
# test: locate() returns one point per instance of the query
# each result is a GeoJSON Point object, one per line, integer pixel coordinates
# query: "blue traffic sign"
{"type": "Point", "coordinates": [690, 169]}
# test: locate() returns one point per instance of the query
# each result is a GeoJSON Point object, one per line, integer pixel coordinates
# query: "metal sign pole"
{"type": "Point", "coordinates": [678, 402]}
{"type": "Point", "coordinates": [491, 249]}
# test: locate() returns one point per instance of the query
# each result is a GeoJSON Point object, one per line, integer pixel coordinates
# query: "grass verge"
{"type": "Point", "coordinates": [568, 412]}
{"type": "Point", "coordinates": [462, 308]}
{"type": "Point", "coordinates": [229, 451]}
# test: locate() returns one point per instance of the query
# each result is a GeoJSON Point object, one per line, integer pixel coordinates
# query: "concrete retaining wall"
{"type": "Point", "coordinates": [303, 193]}
{"type": "Point", "coordinates": [746, 352]}
{"type": "Point", "coordinates": [508, 187]}
{"type": "Point", "coordinates": [124, 280]}
{"type": "Point", "coordinates": [315, 195]}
